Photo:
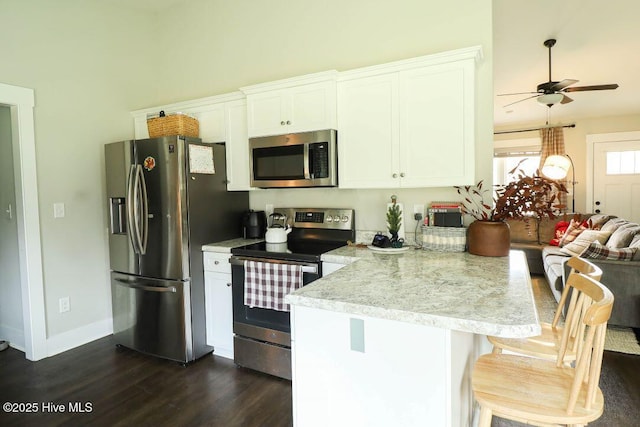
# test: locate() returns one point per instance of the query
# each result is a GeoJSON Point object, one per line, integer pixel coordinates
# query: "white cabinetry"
{"type": "Point", "coordinates": [330, 267]}
{"type": "Point", "coordinates": [408, 123]}
{"type": "Point", "coordinates": [218, 303]}
{"type": "Point", "coordinates": [300, 104]}
{"type": "Point", "coordinates": [221, 118]}
{"type": "Point", "coordinates": [357, 370]}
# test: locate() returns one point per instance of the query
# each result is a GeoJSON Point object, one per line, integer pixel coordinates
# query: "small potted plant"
{"type": "Point", "coordinates": [525, 198]}
{"type": "Point", "coordinates": [394, 220]}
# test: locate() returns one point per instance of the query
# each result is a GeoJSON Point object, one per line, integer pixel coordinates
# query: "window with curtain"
{"type": "Point", "coordinates": [508, 153]}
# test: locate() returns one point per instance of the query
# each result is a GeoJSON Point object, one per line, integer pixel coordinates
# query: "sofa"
{"type": "Point", "coordinates": [611, 243]}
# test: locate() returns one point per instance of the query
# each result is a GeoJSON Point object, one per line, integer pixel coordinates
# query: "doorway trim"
{"type": "Point", "coordinates": [591, 141]}
{"type": "Point", "coordinates": [21, 102]}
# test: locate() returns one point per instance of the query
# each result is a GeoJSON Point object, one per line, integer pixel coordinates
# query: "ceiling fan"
{"type": "Point", "coordinates": [550, 93]}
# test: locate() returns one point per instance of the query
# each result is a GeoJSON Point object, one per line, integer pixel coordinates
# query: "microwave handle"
{"type": "Point", "coordinates": [306, 160]}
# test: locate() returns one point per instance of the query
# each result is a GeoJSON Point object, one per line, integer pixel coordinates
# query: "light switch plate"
{"type": "Point", "coordinates": [58, 210]}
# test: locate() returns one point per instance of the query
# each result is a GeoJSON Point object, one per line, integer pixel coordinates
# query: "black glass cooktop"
{"type": "Point", "coordinates": [293, 250]}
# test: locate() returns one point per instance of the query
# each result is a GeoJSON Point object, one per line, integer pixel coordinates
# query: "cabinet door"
{"type": "Point", "coordinates": [368, 132]}
{"type": "Point", "coordinates": [237, 147]}
{"type": "Point", "coordinates": [212, 123]}
{"type": "Point", "coordinates": [330, 267]}
{"type": "Point", "coordinates": [219, 313]}
{"type": "Point", "coordinates": [436, 126]}
{"type": "Point", "coordinates": [266, 113]}
{"type": "Point", "coordinates": [312, 107]}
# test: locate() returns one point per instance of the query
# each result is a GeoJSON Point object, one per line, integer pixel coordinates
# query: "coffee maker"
{"type": "Point", "coordinates": [254, 224]}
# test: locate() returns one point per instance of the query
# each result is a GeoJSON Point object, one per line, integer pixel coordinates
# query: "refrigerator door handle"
{"type": "Point", "coordinates": [131, 208]}
{"type": "Point", "coordinates": [131, 284]}
{"type": "Point", "coordinates": [144, 221]}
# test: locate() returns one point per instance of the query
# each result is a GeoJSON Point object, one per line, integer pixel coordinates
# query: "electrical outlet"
{"type": "Point", "coordinates": [63, 304]}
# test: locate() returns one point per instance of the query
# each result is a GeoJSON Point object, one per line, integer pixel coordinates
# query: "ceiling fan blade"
{"type": "Point", "coordinates": [595, 87]}
{"type": "Point", "coordinates": [565, 99]}
{"type": "Point", "coordinates": [524, 99]}
{"type": "Point", "coordinates": [517, 93]}
{"type": "Point", "coordinates": [562, 84]}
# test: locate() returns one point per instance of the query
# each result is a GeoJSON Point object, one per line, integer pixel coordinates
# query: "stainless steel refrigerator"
{"type": "Point", "coordinates": [166, 198]}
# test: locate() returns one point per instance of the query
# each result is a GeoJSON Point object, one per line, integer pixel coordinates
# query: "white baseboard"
{"type": "Point", "coordinates": [77, 337]}
{"type": "Point", "coordinates": [15, 337]}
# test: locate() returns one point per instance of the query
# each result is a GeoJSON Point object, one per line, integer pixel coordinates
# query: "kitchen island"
{"type": "Point", "coordinates": [390, 339]}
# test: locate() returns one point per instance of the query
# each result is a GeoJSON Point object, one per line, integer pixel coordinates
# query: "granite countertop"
{"type": "Point", "coordinates": [226, 245]}
{"type": "Point", "coordinates": [454, 290]}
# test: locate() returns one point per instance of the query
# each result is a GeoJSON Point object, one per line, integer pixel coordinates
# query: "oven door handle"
{"type": "Point", "coordinates": [306, 267]}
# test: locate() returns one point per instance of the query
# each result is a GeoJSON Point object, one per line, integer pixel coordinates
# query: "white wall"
{"type": "Point", "coordinates": [228, 45]}
{"type": "Point", "coordinates": [89, 67]}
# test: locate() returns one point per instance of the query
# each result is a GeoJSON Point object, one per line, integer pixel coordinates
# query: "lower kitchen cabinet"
{"type": "Point", "coordinates": [330, 267]}
{"type": "Point", "coordinates": [218, 303]}
{"type": "Point", "coordinates": [358, 370]}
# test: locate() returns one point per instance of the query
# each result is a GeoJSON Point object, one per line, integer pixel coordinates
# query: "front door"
{"type": "Point", "coordinates": [616, 178]}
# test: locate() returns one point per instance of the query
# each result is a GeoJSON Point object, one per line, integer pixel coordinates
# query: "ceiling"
{"type": "Point", "coordinates": [597, 43]}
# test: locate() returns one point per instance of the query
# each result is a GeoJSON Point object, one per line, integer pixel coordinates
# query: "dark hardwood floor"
{"type": "Point", "coordinates": [120, 387]}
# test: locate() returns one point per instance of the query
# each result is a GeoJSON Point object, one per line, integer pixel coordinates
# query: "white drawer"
{"type": "Point", "coordinates": [214, 261]}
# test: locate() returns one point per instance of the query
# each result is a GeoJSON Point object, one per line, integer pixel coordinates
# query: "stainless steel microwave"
{"type": "Point", "coordinates": [306, 159]}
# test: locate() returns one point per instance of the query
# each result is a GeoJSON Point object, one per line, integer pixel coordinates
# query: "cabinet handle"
{"type": "Point", "coordinates": [282, 123]}
{"type": "Point", "coordinates": [229, 284]}
{"type": "Point", "coordinates": [395, 175]}
{"type": "Point", "coordinates": [402, 175]}
{"type": "Point", "coordinates": [288, 122]}
{"type": "Point", "coordinates": [216, 262]}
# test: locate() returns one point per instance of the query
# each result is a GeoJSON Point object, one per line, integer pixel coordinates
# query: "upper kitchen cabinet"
{"type": "Point", "coordinates": [298, 104]}
{"type": "Point", "coordinates": [408, 123]}
{"type": "Point", "coordinates": [222, 118]}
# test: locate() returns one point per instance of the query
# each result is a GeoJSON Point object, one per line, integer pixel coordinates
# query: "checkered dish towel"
{"type": "Point", "coordinates": [266, 284]}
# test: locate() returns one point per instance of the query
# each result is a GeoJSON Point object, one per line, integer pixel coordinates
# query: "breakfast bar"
{"type": "Point", "coordinates": [390, 339]}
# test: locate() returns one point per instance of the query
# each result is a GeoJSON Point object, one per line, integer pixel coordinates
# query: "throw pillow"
{"type": "Point", "coordinates": [597, 251]}
{"type": "Point", "coordinates": [613, 224]}
{"type": "Point", "coordinates": [560, 229]}
{"type": "Point", "coordinates": [635, 243]}
{"type": "Point", "coordinates": [573, 230]}
{"type": "Point", "coordinates": [623, 235]}
{"type": "Point", "coordinates": [584, 240]}
{"type": "Point", "coordinates": [598, 220]}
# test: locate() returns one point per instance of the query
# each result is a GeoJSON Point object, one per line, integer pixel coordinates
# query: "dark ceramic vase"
{"type": "Point", "coordinates": [489, 238]}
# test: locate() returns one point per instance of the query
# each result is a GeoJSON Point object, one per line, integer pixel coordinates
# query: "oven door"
{"type": "Point", "coordinates": [259, 323]}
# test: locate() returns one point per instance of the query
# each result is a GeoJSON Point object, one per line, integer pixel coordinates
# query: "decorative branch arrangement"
{"type": "Point", "coordinates": [526, 197]}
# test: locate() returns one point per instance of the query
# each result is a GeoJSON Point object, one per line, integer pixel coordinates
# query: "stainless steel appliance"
{"type": "Point", "coordinates": [166, 198]}
{"type": "Point", "coordinates": [262, 338]}
{"type": "Point", "coordinates": [307, 159]}
{"type": "Point", "coordinates": [254, 224]}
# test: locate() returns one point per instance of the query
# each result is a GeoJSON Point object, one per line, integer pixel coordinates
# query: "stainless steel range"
{"type": "Point", "coordinates": [262, 338]}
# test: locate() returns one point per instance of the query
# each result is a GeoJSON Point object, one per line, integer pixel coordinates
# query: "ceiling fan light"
{"type": "Point", "coordinates": [556, 166]}
{"type": "Point", "coordinates": [550, 98]}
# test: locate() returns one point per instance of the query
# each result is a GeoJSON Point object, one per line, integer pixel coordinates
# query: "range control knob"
{"type": "Point", "coordinates": [329, 218]}
{"type": "Point", "coordinates": [345, 218]}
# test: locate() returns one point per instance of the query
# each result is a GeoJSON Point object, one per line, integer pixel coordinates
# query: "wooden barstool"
{"type": "Point", "coordinates": [542, 392]}
{"type": "Point", "coordinates": [547, 344]}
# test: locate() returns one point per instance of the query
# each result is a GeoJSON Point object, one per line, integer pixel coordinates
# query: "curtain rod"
{"type": "Point", "coordinates": [572, 125]}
